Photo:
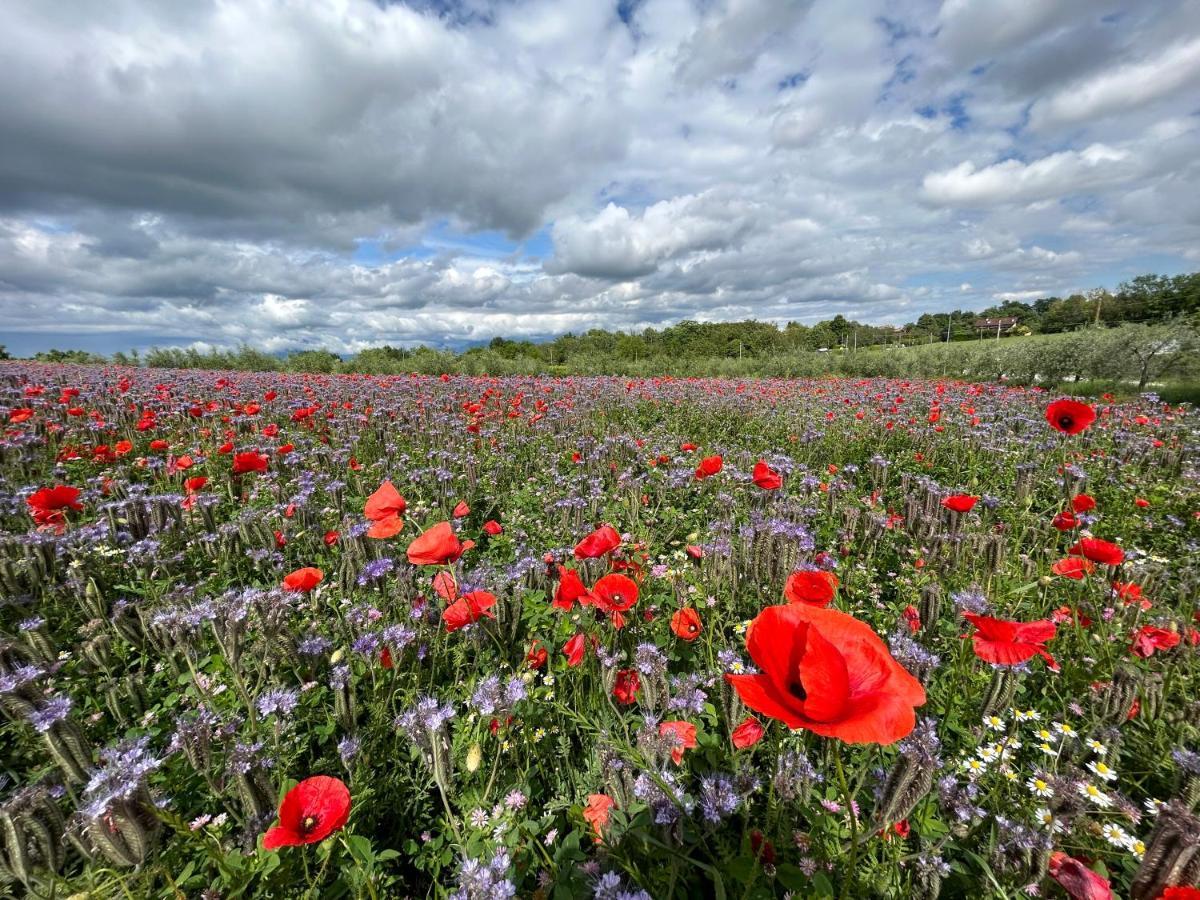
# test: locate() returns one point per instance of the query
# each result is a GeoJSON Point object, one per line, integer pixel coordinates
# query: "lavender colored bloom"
{"type": "Point", "coordinates": [52, 711]}
{"type": "Point", "coordinates": [649, 660]}
{"type": "Point", "coordinates": [280, 701]}
{"type": "Point", "coordinates": [668, 804]}
{"type": "Point", "coordinates": [375, 570]}
{"type": "Point", "coordinates": [485, 881]}
{"type": "Point", "coordinates": [971, 600]}
{"type": "Point", "coordinates": [122, 773]}
{"type": "Point", "coordinates": [348, 748]}
{"type": "Point", "coordinates": [314, 645]}
{"type": "Point", "coordinates": [686, 693]}
{"type": "Point", "coordinates": [428, 715]}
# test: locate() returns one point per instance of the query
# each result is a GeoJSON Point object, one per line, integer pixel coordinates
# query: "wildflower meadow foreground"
{"type": "Point", "coordinates": [269, 635]}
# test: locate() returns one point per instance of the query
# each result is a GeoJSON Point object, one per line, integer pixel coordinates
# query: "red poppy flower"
{"type": "Point", "coordinates": [708, 467]}
{"type": "Point", "coordinates": [686, 624]}
{"type": "Point", "coordinates": [1180, 892]}
{"type": "Point", "coordinates": [192, 485]}
{"type": "Point", "coordinates": [1083, 503]}
{"type": "Point", "coordinates": [303, 580]}
{"type": "Point", "coordinates": [603, 540]}
{"type": "Point", "coordinates": [437, 546]}
{"type": "Point", "coordinates": [1073, 568]}
{"type": "Point", "coordinates": [574, 650]}
{"type": "Point", "coordinates": [311, 811]}
{"type": "Point", "coordinates": [960, 503]}
{"type": "Point", "coordinates": [1064, 521]}
{"type": "Point", "coordinates": [811, 586]}
{"type": "Point", "coordinates": [492, 527]}
{"type": "Point", "coordinates": [626, 687]}
{"type": "Point", "coordinates": [825, 671]}
{"type": "Point", "coordinates": [468, 608]}
{"type": "Point", "coordinates": [48, 504]}
{"type": "Point", "coordinates": [331, 537]}
{"type": "Point", "coordinates": [748, 733]}
{"type": "Point", "coordinates": [765, 477]}
{"type": "Point", "coordinates": [597, 810]}
{"type": "Point", "coordinates": [1080, 882]}
{"type": "Point", "coordinates": [537, 656]}
{"type": "Point", "coordinates": [1149, 638]}
{"type": "Point", "coordinates": [24, 414]}
{"type": "Point", "coordinates": [1070, 416]}
{"type": "Point", "coordinates": [570, 589]}
{"type": "Point", "coordinates": [385, 502]}
{"type": "Point", "coordinates": [1130, 592]}
{"type": "Point", "coordinates": [1007, 643]}
{"type": "Point", "coordinates": [249, 462]}
{"type": "Point", "coordinates": [615, 594]}
{"type": "Point", "coordinates": [683, 735]}
{"type": "Point", "coordinates": [461, 510]}
{"type": "Point", "coordinates": [1099, 551]}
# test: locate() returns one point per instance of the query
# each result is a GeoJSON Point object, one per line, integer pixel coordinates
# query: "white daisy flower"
{"type": "Point", "coordinates": [1099, 767]}
{"type": "Point", "coordinates": [1097, 796]}
{"type": "Point", "coordinates": [1039, 787]}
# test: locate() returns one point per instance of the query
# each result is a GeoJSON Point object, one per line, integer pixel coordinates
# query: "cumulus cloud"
{"type": "Point", "coordinates": [1013, 181]}
{"type": "Point", "coordinates": [1124, 87]}
{"type": "Point", "coordinates": [344, 173]}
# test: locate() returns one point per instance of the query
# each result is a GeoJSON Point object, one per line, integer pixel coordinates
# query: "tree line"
{"type": "Point", "coordinates": [1149, 322]}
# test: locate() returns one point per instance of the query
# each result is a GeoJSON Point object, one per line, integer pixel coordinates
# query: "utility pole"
{"type": "Point", "coordinates": [949, 319]}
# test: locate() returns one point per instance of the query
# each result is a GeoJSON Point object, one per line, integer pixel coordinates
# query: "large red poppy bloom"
{"type": "Point", "coordinates": [1008, 643]}
{"type": "Point", "coordinates": [468, 608]}
{"type": "Point", "coordinates": [626, 687]}
{"type": "Point", "coordinates": [1073, 568]}
{"type": "Point", "coordinates": [438, 546]}
{"type": "Point", "coordinates": [1099, 551]}
{"type": "Point", "coordinates": [603, 540]}
{"type": "Point", "coordinates": [47, 505]}
{"type": "Point", "coordinates": [311, 811]}
{"type": "Point", "coordinates": [303, 580]}
{"type": "Point", "coordinates": [765, 477]}
{"type": "Point", "coordinates": [686, 624]}
{"type": "Point", "coordinates": [960, 503]}
{"type": "Point", "coordinates": [1070, 416]}
{"type": "Point", "coordinates": [615, 594]}
{"type": "Point", "coordinates": [811, 586]}
{"type": "Point", "coordinates": [1083, 503]}
{"type": "Point", "coordinates": [708, 467]}
{"type": "Point", "coordinates": [249, 462]}
{"type": "Point", "coordinates": [385, 508]}
{"type": "Point", "coordinates": [827, 672]}
{"type": "Point", "coordinates": [1150, 638]}
{"type": "Point", "coordinates": [570, 590]}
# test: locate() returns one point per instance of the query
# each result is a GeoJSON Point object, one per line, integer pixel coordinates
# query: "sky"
{"type": "Point", "coordinates": [346, 173]}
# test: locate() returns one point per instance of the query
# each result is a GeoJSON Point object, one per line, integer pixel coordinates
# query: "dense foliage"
{"type": "Point", "coordinates": [271, 635]}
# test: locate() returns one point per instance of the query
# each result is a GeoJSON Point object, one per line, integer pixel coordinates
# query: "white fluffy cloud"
{"type": "Point", "coordinates": [344, 173]}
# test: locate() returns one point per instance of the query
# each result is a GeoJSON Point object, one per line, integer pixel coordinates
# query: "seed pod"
{"type": "Point", "coordinates": [70, 749]}
{"type": "Point", "coordinates": [909, 781]}
{"type": "Point", "coordinates": [16, 852]}
{"type": "Point", "coordinates": [930, 606]}
{"type": "Point", "coordinates": [1000, 692]}
{"type": "Point", "coordinates": [98, 651]}
{"type": "Point", "coordinates": [1172, 853]}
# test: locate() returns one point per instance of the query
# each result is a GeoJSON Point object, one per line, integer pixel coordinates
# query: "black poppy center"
{"type": "Point", "coordinates": [308, 824]}
{"type": "Point", "coordinates": [796, 689]}
{"type": "Point", "coordinates": [1066, 421]}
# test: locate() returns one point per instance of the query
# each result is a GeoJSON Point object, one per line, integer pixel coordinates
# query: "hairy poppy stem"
{"type": "Point", "coordinates": [845, 789]}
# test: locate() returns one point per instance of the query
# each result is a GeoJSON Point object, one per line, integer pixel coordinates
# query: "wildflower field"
{"type": "Point", "coordinates": [267, 635]}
